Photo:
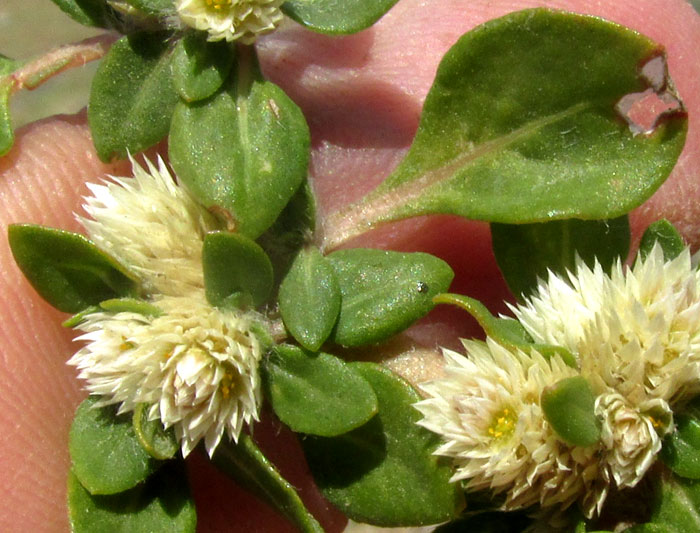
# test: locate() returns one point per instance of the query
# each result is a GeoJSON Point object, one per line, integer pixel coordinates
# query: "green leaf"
{"type": "Point", "coordinates": [246, 464]}
{"type": "Point", "coordinates": [681, 449]}
{"type": "Point", "coordinates": [337, 16]}
{"type": "Point", "coordinates": [7, 136]}
{"type": "Point", "coordinates": [569, 407]}
{"type": "Point", "coordinates": [66, 269]}
{"type": "Point", "coordinates": [317, 393]}
{"type": "Point", "coordinates": [130, 305]}
{"type": "Point", "coordinates": [153, 7]}
{"type": "Point", "coordinates": [200, 67]}
{"type": "Point", "coordinates": [521, 126]}
{"type": "Point", "coordinates": [159, 443]}
{"type": "Point", "coordinates": [87, 12]}
{"type": "Point", "coordinates": [162, 504]}
{"type": "Point", "coordinates": [384, 292]}
{"type": "Point", "coordinates": [244, 151]}
{"type": "Point", "coordinates": [505, 331]}
{"type": "Point", "coordinates": [291, 231]}
{"type": "Point", "coordinates": [675, 506]}
{"type": "Point", "coordinates": [663, 232]}
{"type": "Point", "coordinates": [384, 472]}
{"type": "Point", "coordinates": [554, 246]}
{"type": "Point", "coordinates": [107, 457]}
{"type": "Point", "coordinates": [132, 96]}
{"type": "Point", "coordinates": [309, 299]}
{"type": "Point", "coordinates": [235, 265]}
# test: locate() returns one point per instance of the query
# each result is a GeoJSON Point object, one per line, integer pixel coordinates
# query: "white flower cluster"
{"type": "Point", "coordinates": [231, 20]}
{"type": "Point", "coordinates": [636, 336]}
{"type": "Point", "coordinates": [195, 365]}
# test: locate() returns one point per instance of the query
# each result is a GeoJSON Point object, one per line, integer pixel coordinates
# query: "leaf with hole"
{"type": "Point", "coordinates": [309, 299]}
{"type": "Point", "coordinates": [243, 152]}
{"type": "Point", "coordinates": [66, 269]}
{"type": "Point", "coordinates": [234, 265]}
{"type": "Point", "coordinates": [384, 292]}
{"type": "Point", "coordinates": [106, 454]}
{"type": "Point", "coordinates": [384, 472]}
{"type": "Point", "coordinates": [521, 126]}
{"type": "Point", "coordinates": [132, 96]}
{"type": "Point", "coordinates": [554, 246]}
{"type": "Point", "coordinates": [317, 393]}
{"type": "Point", "coordinates": [162, 504]}
{"type": "Point", "coordinates": [336, 16]}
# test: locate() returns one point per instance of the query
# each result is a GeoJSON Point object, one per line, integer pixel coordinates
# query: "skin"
{"type": "Point", "coordinates": [362, 95]}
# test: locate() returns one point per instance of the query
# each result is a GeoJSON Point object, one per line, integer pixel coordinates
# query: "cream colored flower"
{"type": "Point", "coordinates": [232, 20]}
{"type": "Point", "coordinates": [636, 331]}
{"type": "Point", "coordinates": [197, 366]}
{"type": "Point", "coordinates": [631, 435]}
{"type": "Point", "coordinates": [152, 226]}
{"type": "Point", "coordinates": [487, 410]}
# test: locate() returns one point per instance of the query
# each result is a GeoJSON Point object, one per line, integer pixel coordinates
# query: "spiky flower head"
{"type": "Point", "coordinates": [636, 331]}
{"type": "Point", "coordinates": [196, 365]}
{"type": "Point", "coordinates": [636, 337]}
{"type": "Point", "coordinates": [151, 225]}
{"type": "Point", "coordinates": [231, 20]}
{"type": "Point", "coordinates": [487, 410]}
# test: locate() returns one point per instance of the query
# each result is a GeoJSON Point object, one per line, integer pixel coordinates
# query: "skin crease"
{"type": "Point", "coordinates": [362, 95]}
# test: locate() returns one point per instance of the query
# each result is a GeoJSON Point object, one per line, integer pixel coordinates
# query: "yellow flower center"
{"type": "Point", "coordinates": [227, 383]}
{"type": "Point", "coordinates": [502, 424]}
{"type": "Point", "coordinates": [218, 5]}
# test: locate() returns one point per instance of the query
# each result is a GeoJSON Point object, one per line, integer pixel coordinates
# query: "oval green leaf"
{"type": "Point", "coordinates": [553, 246]}
{"type": "Point", "coordinates": [681, 449]}
{"type": "Point", "coordinates": [245, 151]}
{"type": "Point", "coordinates": [200, 67]}
{"type": "Point", "coordinates": [317, 393]}
{"type": "Point", "coordinates": [66, 269]}
{"type": "Point", "coordinates": [384, 292]}
{"type": "Point", "coordinates": [309, 299]}
{"type": "Point", "coordinates": [162, 504]}
{"type": "Point", "coordinates": [159, 443]}
{"type": "Point", "coordinates": [107, 457]}
{"type": "Point", "coordinates": [384, 472]}
{"type": "Point", "coordinates": [132, 96]}
{"type": "Point", "coordinates": [521, 126]}
{"type": "Point", "coordinates": [663, 232]}
{"type": "Point", "coordinates": [337, 16]}
{"type": "Point", "coordinates": [569, 408]}
{"type": "Point", "coordinates": [235, 265]}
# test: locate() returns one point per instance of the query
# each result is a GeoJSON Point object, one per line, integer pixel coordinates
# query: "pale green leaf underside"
{"type": "Point", "coordinates": [520, 126]}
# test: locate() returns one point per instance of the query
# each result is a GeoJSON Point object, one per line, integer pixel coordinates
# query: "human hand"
{"type": "Point", "coordinates": [362, 95]}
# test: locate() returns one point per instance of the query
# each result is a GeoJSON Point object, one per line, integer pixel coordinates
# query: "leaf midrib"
{"type": "Point", "coordinates": [379, 204]}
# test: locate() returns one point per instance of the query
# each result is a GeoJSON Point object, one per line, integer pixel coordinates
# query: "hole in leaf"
{"type": "Point", "coordinates": [643, 111]}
